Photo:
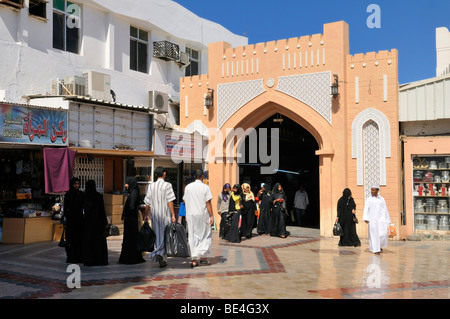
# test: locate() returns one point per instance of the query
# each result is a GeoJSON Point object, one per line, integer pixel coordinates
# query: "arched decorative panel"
{"type": "Point", "coordinates": [371, 141]}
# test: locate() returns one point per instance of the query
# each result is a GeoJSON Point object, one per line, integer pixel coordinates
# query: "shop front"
{"type": "Point", "coordinates": [424, 126]}
{"type": "Point", "coordinates": [427, 186]}
{"type": "Point", "coordinates": [27, 205]}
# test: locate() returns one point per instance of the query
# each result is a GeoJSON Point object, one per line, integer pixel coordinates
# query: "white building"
{"type": "Point", "coordinates": [113, 58]}
{"type": "Point", "coordinates": [442, 51]}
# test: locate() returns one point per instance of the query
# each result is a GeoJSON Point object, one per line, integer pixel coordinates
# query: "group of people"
{"type": "Point", "coordinates": [375, 215]}
{"type": "Point", "coordinates": [85, 225]}
{"type": "Point", "coordinates": [159, 209]}
{"type": "Point", "coordinates": [241, 211]}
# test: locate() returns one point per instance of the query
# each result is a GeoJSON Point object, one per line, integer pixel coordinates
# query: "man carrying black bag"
{"type": "Point", "coordinates": [159, 208]}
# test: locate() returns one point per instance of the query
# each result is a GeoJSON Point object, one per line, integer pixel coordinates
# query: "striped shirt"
{"type": "Point", "coordinates": [159, 194]}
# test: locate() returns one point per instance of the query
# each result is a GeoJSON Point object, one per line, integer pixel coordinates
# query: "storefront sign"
{"type": "Point", "coordinates": [178, 145]}
{"type": "Point", "coordinates": [23, 124]}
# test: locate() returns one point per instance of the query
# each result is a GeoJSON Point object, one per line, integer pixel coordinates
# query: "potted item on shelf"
{"type": "Point", "coordinates": [443, 223]}
{"type": "Point", "coordinates": [428, 177]}
{"type": "Point", "coordinates": [433, 165]}
{"type": "Point", "coordinates": [418, 176]}
{"type": "Point", "coordinates": [432, 222]}
{"type": "Point", "coordinates": [418, 206]}
{"type": "Point", "coordinates": [442, 206]}
{"type": "Point", "coordinates": [430, 205]}
{"type": "Point", "coordinates": [421, 222]}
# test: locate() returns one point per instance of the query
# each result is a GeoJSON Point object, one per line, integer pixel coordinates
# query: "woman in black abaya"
{"type": "Point", "coordinates": [278, 214]}
{"type": "Point", "coordinates": [264, 210]}
{"type": "Point", "coordinates": [234, 234]}
{"type": "Point", "coordinates": [248, 211]}
{"type": "Point", "coordinates": [346, 209]}
{"type": "Point", "coordinates": [131, 254]}
{"type": "Point", "coordinates": [95, 223]}
{"type": "Point", "coordinates": [73, 214]}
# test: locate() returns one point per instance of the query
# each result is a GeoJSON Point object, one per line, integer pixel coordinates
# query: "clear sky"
{"type": "Point", "coordinates": [408, 26]}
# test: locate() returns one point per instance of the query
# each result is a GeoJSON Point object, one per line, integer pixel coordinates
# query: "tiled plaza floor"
{"type": "Point", "coordinates": [302, 266]}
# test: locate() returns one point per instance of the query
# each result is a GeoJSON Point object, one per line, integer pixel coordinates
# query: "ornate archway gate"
{"type": "Point", "coordinates": [293, 77]}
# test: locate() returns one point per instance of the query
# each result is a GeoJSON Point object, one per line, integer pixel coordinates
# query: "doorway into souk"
{"type": "Point", "coordinates": [298, 164]}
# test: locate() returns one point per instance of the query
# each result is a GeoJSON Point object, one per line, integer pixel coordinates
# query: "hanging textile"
{"type": "Point", "coordinates": [58, 169]}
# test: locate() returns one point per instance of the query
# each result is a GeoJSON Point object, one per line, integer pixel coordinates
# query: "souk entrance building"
{"type": "Point", "coordinates": [326, 142]}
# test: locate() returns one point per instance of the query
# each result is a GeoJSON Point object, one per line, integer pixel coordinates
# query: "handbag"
{"type": "Point", "coordinates": [337, 229]}
{"type": "Point", "coordinates": [112, 230]}
{"type": "Point", "coordinates": [391, 231]}
{"type": "Point", "coordinates": [63, 241]}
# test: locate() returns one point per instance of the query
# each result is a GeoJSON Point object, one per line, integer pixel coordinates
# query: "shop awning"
{"type": "Point", "coordinates": [122, 153]}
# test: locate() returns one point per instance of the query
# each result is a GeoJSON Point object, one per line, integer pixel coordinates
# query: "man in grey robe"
{"type": "Point", "coordinates": [159, 208]}
{"type": "Point", "coordinates": [377, 217]}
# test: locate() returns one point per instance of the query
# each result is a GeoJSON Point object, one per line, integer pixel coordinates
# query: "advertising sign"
{"type": "Point", "coordinates": [30, 125]}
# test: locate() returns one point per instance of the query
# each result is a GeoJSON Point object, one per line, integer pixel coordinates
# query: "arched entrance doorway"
{"type": "Point", "coordinates": [298, 164]}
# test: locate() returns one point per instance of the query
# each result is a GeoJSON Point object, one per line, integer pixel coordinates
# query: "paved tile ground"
{"type": "Point", "coordinates": [302, 266]}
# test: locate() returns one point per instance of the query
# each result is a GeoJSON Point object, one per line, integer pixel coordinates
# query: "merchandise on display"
{"type": "Point", "coordinates": [431, 189]}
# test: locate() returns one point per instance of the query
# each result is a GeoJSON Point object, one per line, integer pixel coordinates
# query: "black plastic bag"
{"type": "Point", "coordinates": [337, 229]}
{"type": "Point", "coordinates": [175, 241]}
{"type": "Point", "coordinates": [146, 238]}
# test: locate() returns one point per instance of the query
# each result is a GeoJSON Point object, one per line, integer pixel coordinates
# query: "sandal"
{"type": "Point", "coordinates": [204, 261]}
{"type": "Point", "coordinates": [194, 263]}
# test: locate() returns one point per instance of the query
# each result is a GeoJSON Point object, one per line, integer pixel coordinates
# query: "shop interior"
{"type": "Point", "coordinates": [22, 187]}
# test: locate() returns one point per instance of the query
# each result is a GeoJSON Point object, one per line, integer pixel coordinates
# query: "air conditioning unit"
{"type": "Point", "coordinates": [158, 100]}
{"type": "Point", "coordinates": [69, 85]}
{"type": "Point", "coordinates": [76, 85]}
{"type": "Point", "coordinates": [184, 60]}
{"type": "Point", "coordinates": [98, 85]}
{"type": "Point", "coordinates": [166, 50]}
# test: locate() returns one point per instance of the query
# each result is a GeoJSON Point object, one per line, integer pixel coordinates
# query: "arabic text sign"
{"type": "Point", "coordinates": [22, 124]}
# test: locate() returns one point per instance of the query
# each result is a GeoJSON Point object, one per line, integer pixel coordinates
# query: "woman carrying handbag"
{"type": "Point", "coordinates": [346, 209]}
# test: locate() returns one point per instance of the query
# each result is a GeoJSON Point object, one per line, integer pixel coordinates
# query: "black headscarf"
{"type": "Point", "coordinates": [275, 189]}
{"type": "Point", "coordinates": [347, 193]}
{"type": "Point", "coordinates": [239, 189]}
{"type": "Point", "coordinates": [90, 190]}
{"type": "Point", "coordinates": [132, 204]}
{"type": "Point", "coordinates": [132, 184]}
{"type": "Point", "coordinates": [73, 181]}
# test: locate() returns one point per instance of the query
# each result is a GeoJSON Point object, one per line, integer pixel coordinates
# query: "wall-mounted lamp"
{"type": "Point", "coordinates": [209, 98]}
{"type": "Point", "coordinates": [335, 86]}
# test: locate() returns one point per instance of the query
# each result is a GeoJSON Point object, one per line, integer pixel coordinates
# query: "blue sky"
{"type": "Point", "coordinates": [408, 26]}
